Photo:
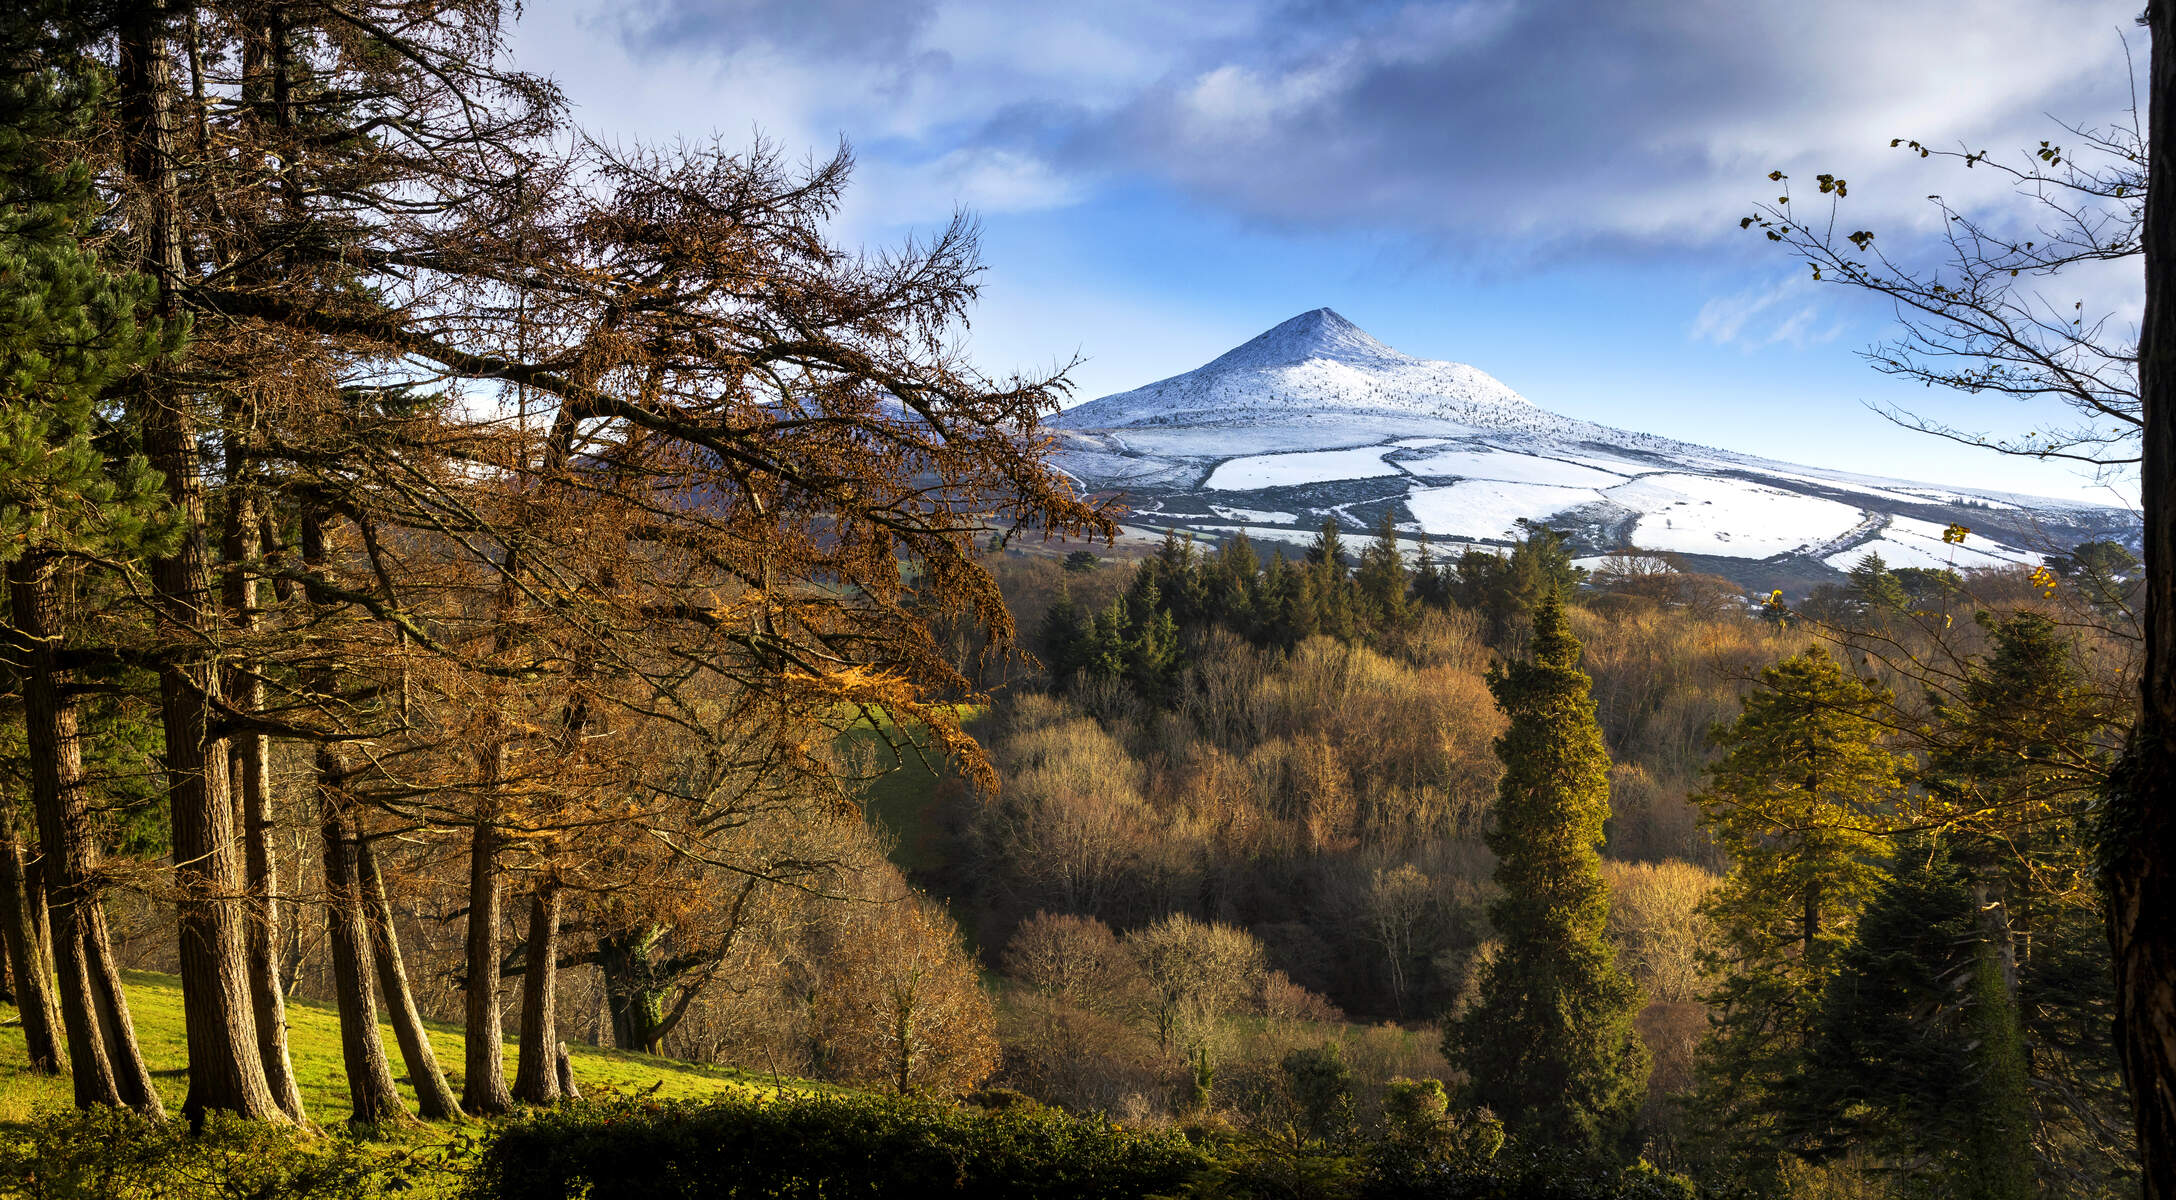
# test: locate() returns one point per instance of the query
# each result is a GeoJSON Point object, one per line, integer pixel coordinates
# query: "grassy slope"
{"type": "Point", "coordinates": [903, 799]}
{"type": "Point", "coordinates": [314, 1044]}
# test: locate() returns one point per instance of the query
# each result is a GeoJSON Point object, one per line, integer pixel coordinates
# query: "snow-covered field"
{"type": "Point", "coordinates": [1284, 470]}
{"type": "Point", "coordinates": [1488, 508]}
{"type": "Point", "coordinates": [1909, 542]}
{"type": "Point", "coordinates": [1715, 514]}
{"type": "Point", "coordinates": [1507, 466]}
{"type": "Point", "coordinates": [1254, 516]}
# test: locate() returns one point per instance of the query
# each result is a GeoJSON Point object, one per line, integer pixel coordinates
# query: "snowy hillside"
{"type": "Point", "coordinates": [1315, 417]}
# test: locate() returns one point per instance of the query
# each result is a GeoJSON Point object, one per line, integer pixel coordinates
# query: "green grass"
{"type": "Point", "coordinates": [313, 1038]}
{"type": "Point", "coordinates": [903, 799]}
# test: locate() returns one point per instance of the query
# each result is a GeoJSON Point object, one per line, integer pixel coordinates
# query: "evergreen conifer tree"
{"type": "Point", "coordinates": [76, 503]}
{"type": "Point", "coordinates": [1328, 548]}
{"type": "Point", "coordinates": [1797, 801]}
{"type": "Point", "coordinates": [1550, 1045]}
{"type": "Point", "coordinates": [1431, 579]}
{"type": "Point", "coordinates": [1288, 606]}
{"type": "Point", "coordinates": [1059, 638]}
{"type": "Point", "coordinates": [1919, 1054]}
{"type": "Point", "coordinates": [1876, 588]}
{"type": "Point", "coordinates": [1381, 577]}
{"type": "Point", "coordinates": [2010, 774]}
{"type": "Point", "coordinates": [1231, 591]}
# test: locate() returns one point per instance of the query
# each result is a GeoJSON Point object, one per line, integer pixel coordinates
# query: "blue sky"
{"type": "Point", "coordinates": [1546, 190]}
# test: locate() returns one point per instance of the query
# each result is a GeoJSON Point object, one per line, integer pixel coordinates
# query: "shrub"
{"type": "Point", "coordinates": [1516, 1175]}
{"type": "Point", "coordinates": [113, 1154]}
{"type": "Point", "coordinates": [827, 1146]}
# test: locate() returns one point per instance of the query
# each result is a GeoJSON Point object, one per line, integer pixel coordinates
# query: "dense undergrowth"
{"type": "Point", "coordinates": [794, 1146]}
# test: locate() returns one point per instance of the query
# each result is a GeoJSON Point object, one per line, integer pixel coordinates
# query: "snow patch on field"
{"type": "Point", "coordinates": [1255, 516]}
{"type": "Point", "coordinates": [1909, 542]}
{"type": "Point", "coordinates": [1318, 466]}
{"type": "Point", "coordinates": [1699, 514]}
{"type": "Point", "coordinates": [1490, 508]}
{"type": "Point", "coordinates": [1509, 467]}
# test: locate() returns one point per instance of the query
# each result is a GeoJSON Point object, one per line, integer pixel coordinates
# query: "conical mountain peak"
{"type": "Point", "coordinates": [1319, 333]}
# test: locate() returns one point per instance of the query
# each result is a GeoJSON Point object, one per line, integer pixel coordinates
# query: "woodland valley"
{"type": "Point", "coordinates": [529, 670]}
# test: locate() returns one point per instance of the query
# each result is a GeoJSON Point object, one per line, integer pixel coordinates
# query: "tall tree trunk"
{"type": "Point", "coordinates": [225, 1069]}
{"type": "Point", "coordinates": [130, 1071]}
{"type": "Point", "coordinates": [7, 959]}
{"type": "Point", "coordinates": [632, 991]}
{"type": "Point", "coordinates": [249, 760]}
{"type": "Point", "coordinates": [536, 1075]}
{"type": "Point", "coordinates": [434, 1096]}
{"type": "Point", "coordinates": [371, 1089]}
{"type": "Point", "coordinates": [19, 926]}
{"type": "Point", "coordinates": [106, 1071]}
{"type": "Point", "coordinates": [483, 1087]}
{"type": "Point", "coordinates": [2139, 850]}
{"type": "Point", "coordinates": [563, 1064]}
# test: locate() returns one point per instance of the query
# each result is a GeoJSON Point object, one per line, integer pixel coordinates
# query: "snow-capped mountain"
{"type": "Point", "coordinates": [1315, 417]}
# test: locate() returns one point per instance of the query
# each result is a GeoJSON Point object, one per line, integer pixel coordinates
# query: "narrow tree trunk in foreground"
{"type": "Point", "coordinates": [225, 1069]}
{"type": "Point", "coordinates": [536, 1075]}
{"type": "Point", "coordinates": [563, 1064]}
{"type": "Point", "coordinates": [434, 1096]}
{"type": "Point", "coordinates": [33, 994]}
{"type": "Point", "coordinates": [249, 762]}
{"type": "Point", "coordinates": [130, 1071]}
{"type": "Point", "coordinates": [107, 1070]}
{"type": "Point", "coordinates": [483, 1088]}
{"type": "Point", "coordinates": [2139, 830]}
{"type": "Point", "coordinates": [371, 1089]}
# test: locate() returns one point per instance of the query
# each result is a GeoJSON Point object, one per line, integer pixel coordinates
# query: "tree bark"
{"type": "Point", "coordinates": [631, 990]}
{"type": "Point", "coordinates": [106, 1070]}
{"type": "Point", "coordinates": [563, 1064]}
{"type": "Point", "coordinates": [2139, 851]}
{"type": "Point", "coordinates": [2139, 831]}
{"type": "Point", "coordinates": [371, 1089]}
{"type": "Point", "coordinates": [130, 1071]}
{"type": "Point", "coordinates": [225, 1069]}
{"type": "Point", "coordinates": [536, 1076]}
{"type": "Point", "coordinates": [434, 1096]}
{"type": "Point", "coordinates": [483, 1087]}
{"type": "Point", "coordinates": [19, 927]}
{"type": "Point", "coordinates": [249, 772]}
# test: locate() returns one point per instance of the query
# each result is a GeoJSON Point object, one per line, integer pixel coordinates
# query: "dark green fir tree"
{"type": "Point", "coordinates": [1920, 1055]}
{"type": "Point", "coordinates": [1549, 1045]}
{"type": "Point", "coordinates": [1798, 800]}
{"type": "Point", "coordinates": [1381, 577]}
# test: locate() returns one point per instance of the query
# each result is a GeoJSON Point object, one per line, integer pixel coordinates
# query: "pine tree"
{"type": "Point", "coordinates": [2014, 761]}
{"type": "Point", "coordinates": [2016, 757]}
{"type": "Point", "coordinates": [1289, 616]}
{"type": "Point", "coordinates": [1059, 638]}
{"type": "Point", "coordinates": [1231, 590]}
{"type": "Point", "coordinates": [1919, 1055]}
{"type": "Point", "coordinates": [1431, 579]}
{"type": "Point", "coordinates": [1796, 801]}
{"type": "Point", "coordinates": [1328, 585]}
{"type": "Point", "coordinates": [1381, 577]}
{"type": "Point", "coordinates": [1550, 1044]}
{"type": "Point", "coordinates": [1876, 588]}
{"type": "Point", "coordinates": [1328, 548]}
{"type": "Point", "coordinates": [75, 502]}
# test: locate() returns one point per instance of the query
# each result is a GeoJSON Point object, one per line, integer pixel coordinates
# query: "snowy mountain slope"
{"type": "Point", "coordinates": [1314, 417]}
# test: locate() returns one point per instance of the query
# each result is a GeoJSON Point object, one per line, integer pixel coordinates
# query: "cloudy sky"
{"type": "Point", "coordinates": [1547, 189]}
